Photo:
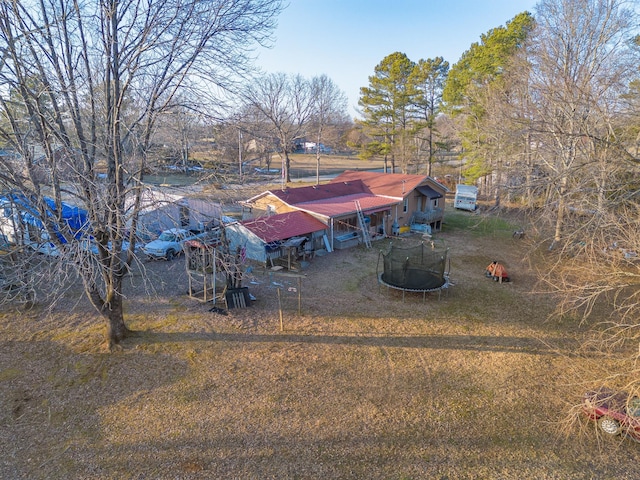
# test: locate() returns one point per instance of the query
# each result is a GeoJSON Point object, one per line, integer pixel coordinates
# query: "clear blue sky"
{"type": "Point", "coordinates": [346, 39]}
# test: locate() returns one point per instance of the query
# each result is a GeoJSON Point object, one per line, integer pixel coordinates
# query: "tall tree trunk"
{"type": "Point", "coordinates": [528, 200]}
{"type": "Point", "coordinates": [116, 328]}
{"type": "Point", "coordinates": [287, 166]}
{"type": "Point", "coordinates": [557, 234]}
{"type": "Point", "coordinates": [111, 308]}
{"type": "Point", "coordinates": [319, 138]}
{"type": "Point", "coordinates": [430, 152]}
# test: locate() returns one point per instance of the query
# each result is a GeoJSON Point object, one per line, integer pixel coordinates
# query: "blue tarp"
{"type": "Point", "coordinates": [74, 217]}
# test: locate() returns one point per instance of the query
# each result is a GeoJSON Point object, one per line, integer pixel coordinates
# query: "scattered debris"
{"type": "Point", "coordinates": [218, 310]}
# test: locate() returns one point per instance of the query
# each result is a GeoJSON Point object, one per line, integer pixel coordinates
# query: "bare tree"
{"type": "Point", "coordinates": [175, 131]}
{"type": "Point", "coordinates": [582, 63]}
{"type": "Point", "coordinates": [329, 108]}
{"type": "Point", "coordinates": [558, 126]}
{"type": "Point", "coordinates": [92, 78]}
{"type": "Point", "coordinates": [582, 131]}
{"type": "Point", "coordinates": [285, 102]}
{"type": "Point", "coordinates": [557, 129]}
{"type": "Point", "coordinates": [255, 137]}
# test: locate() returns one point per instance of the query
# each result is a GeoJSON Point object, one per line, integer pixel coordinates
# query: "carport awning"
{"type": "Point", "coordinates": [428, 192]}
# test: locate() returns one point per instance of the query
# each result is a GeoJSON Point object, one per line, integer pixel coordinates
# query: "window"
{"type": "Point", "coordinates": [405, 207]}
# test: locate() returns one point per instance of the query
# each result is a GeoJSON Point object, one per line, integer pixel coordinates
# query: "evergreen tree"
{"type": "Point", "coordinates": [428, 78]}
{"type": "Point", "coordinates": [469, 90]}
{"type": "Point", "coordinates": [386, 105]}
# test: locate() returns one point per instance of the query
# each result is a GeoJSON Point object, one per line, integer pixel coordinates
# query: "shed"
{"type": "Point", "coordinates": [267, 237]}
{"type": "Point", "coordinates": [161, 211]}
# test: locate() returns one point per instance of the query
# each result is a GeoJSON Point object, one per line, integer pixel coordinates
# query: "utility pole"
{"type": "Point", "coordinates": [240, 154]}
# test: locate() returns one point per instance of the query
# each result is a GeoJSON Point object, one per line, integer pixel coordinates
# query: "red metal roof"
{"type": "Point", "coordinates": [346, 204]}
{"type": "Point", "coordinates": [294, 196]}
{"type": "Point", "coordinates": [283, 226]}
{"type": "Point", "coordinates": [375, 191]}
{"type": "Point", "coordinates": [396, 185]}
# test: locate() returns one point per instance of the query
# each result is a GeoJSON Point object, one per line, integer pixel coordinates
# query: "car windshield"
{"type": "Point", "coordinates": [167, 237]}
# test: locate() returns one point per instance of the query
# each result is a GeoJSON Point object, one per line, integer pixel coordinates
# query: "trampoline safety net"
{"type": "Point", "coordinates": [418, 267]}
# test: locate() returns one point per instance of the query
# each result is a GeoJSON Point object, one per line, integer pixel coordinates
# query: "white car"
{"type": "Point", "coordinates": [170, 242]}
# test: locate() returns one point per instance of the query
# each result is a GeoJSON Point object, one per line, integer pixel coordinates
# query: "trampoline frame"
{"type": "Point", "coordinates": [424, 291]}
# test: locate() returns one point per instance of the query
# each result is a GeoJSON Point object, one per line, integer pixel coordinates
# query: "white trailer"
{"type": "Point", "coordinates": [466, 197]}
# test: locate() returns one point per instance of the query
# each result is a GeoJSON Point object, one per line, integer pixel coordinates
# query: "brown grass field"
{"type": "Point", "coordinates": [478, 383]}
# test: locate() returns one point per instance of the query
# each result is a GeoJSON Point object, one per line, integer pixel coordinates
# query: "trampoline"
{"type": "Point", "coordinates": [415, 267]}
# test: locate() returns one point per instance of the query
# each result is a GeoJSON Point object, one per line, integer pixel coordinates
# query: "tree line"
{"type": "Point", "coordinates": [546, 110]}
{"type": "Point", "coordinates": [543, 113]}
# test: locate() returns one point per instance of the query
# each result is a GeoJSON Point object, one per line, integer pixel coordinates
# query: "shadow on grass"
{"type": "Point", "coordinates": [481, 343]}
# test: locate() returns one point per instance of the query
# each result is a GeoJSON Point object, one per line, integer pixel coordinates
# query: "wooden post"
{"type": "Point", "coordinates": [280, 310]}
{"type": "Point", "coordinates": [299, 296]}
{"type": "Point", "coordinates": [214, 273]}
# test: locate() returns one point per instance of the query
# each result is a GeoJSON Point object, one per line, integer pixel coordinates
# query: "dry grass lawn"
{"type": "Point", "coordinates": [304, 165]}
{"type": "Point", "coordinates": [476, 384]}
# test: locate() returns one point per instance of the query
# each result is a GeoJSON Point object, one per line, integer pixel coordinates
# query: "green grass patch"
{"type": "Point", "coordinates": [9, 374]}
{"type": "Point", "coordinates": [478, 225]}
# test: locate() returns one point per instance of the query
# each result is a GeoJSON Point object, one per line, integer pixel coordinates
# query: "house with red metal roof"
{"type": "Point", "coordinates": [265, 239]}
{"type": "Point", "coordinates": [358, 206]}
